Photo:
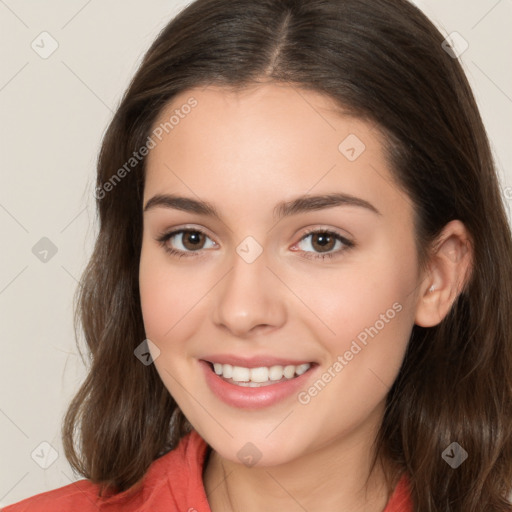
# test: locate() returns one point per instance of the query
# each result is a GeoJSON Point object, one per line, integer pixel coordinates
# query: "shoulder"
{"type": "Point", "coordinates": [78, 494]}
{"type": "Point", "coordinates": [400, 500]}
{"type": "Point", "coordinates": [172, 482]}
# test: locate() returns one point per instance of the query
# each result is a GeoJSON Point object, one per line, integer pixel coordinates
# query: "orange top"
{"type": "Point", "coordinates": [173, 483]}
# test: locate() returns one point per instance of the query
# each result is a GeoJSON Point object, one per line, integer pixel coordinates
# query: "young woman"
{"type": "Point", "coordinates": [300, 293]}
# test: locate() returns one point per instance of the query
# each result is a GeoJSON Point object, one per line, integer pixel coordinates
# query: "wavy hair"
{"type": "Point", "coordinates": [381, 60]}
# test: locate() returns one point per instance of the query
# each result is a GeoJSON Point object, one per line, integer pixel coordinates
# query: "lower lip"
{"type": "Point", "coordinates": [253, 398]}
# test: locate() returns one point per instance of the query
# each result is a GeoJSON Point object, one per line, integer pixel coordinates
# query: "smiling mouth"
{"type": "Point", "coordinates": [260, 376]}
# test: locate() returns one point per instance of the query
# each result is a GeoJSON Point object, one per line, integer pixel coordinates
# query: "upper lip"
{"type": "Point", "coordinates": [254, 361]}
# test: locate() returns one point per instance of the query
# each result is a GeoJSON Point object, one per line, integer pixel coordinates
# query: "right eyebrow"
{"type": "Point", "coordinates": [186, 204]}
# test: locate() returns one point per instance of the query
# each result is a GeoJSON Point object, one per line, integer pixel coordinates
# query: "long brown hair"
{"type": "Point", "coordinates": [383, 61]}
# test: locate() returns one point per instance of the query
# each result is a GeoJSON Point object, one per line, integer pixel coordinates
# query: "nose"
{"type": "Point", "coordinates": [249, 298]}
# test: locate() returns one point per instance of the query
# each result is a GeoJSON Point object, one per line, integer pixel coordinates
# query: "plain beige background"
{"type": "Point", "coordinates": [54, 112]}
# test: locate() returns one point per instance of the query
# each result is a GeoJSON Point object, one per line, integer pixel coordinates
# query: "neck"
{"type": "Point", "coordinates": [335, 476]}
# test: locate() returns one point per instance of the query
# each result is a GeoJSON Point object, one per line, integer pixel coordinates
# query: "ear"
{"type": "Point", "coordinates": [449, 268]}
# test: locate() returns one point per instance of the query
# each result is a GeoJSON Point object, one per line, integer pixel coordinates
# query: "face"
{"type": "Point", "coordinates": [300, 275]}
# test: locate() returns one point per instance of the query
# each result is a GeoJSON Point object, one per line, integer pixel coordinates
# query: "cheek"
{"type": "Point", "coordinates": [165, 310]}
{"type": "Point", "coordinates": [372, 315]}
{"type": "Point", "coordinates": [162, 294]}
{"type": "Point", "coordinates": [172, 301]}
{"type": "Point", "coordinates": [367, 306]}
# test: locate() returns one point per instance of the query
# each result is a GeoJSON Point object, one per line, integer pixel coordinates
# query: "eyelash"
{"type": "Point", "coordinates": [163, 239]}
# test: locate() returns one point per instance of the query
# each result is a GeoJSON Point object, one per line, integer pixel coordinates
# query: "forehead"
{"type": "Point", "coordinates": [268, 140]}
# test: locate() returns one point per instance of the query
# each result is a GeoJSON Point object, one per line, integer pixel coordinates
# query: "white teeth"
{"type": "Point", "coordinates": [249, 384]}
{"type": "Point", "coordinates": [289, 371]}
{"type": "Point", "coordinates": [275, 372]}
{"type": "Point", "coordinates": [259, 374]}
{"type": "Point", "coordinates": [252, 377]}
{"type": "Point", "coordinates": [241, 374]}
{"type": "Point", "coordinates": [227, 371]}
{"type": "Point", "coordinates": [302, 368]}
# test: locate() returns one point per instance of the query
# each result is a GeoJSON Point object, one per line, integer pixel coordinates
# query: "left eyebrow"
{"type": "Point", "coordinates": [304, 204]}
{"type": "Point", "coordinates": [301, 204]}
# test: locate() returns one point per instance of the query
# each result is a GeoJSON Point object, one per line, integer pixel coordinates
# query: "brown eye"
{"type": "Point", "coordinates": [193, 240]}
{"type": "Point", "coordinates": [322, 242]}
{"type": "Point", "coordinates": [186, 242]}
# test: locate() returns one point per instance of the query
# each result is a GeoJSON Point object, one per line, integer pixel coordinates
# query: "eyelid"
{"type": "Point", "coordinates": [187, 227]}
{"type": "Point", "coordinates": [325, 229]}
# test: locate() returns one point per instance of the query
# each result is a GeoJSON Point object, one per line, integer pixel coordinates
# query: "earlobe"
{"type": "Point", "coordinates": [449, 269]}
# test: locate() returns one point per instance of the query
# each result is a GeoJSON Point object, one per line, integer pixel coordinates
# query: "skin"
{"type": "Point", "coordinates": [245, 152]}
